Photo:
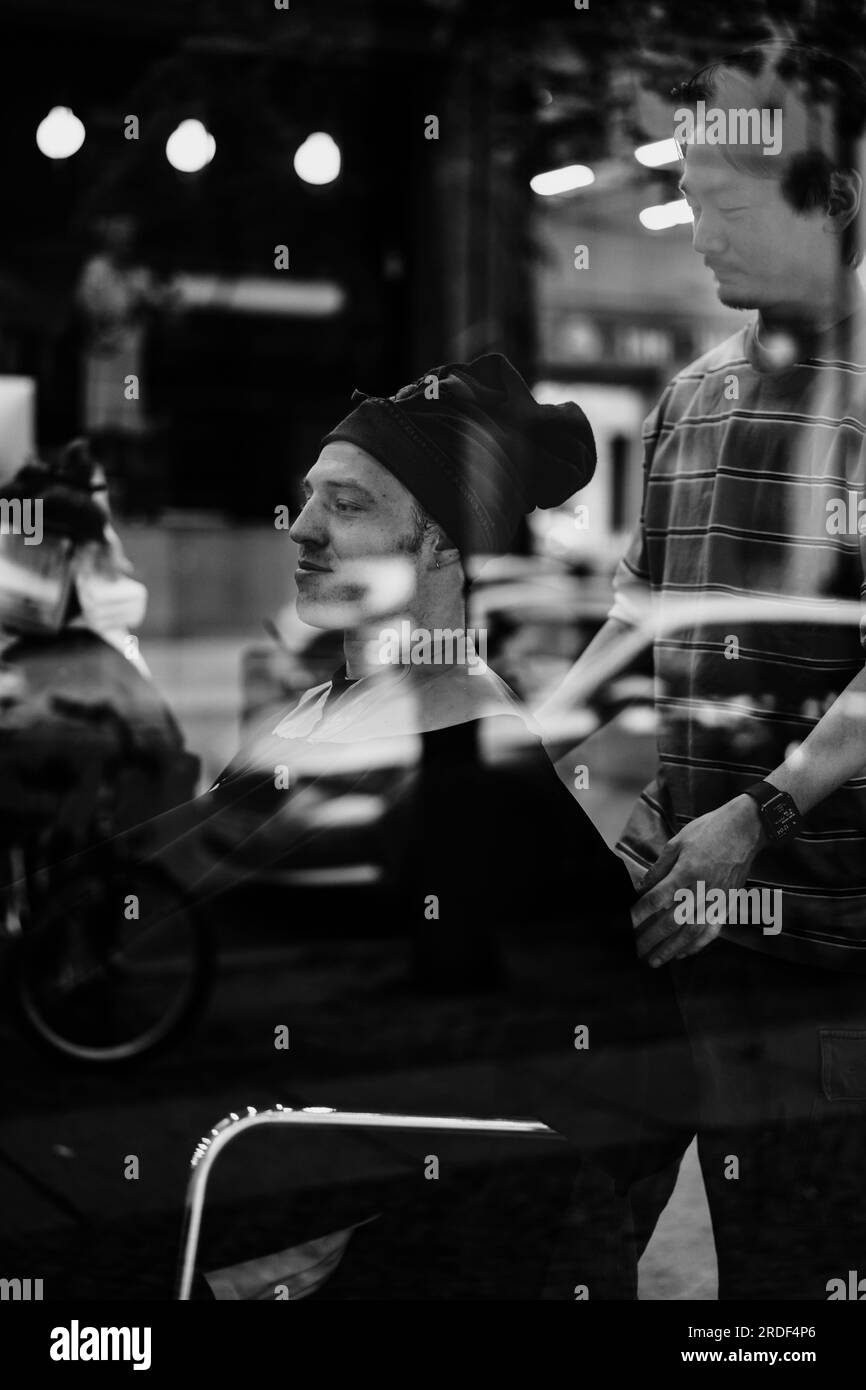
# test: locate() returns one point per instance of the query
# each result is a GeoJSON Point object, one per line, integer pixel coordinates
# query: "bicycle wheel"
{"type": "Point", "coordinates": [110, 970]}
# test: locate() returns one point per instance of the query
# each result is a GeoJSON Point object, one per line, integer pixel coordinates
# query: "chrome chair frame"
{"type": "Point", "coordinates": [321, 1117]}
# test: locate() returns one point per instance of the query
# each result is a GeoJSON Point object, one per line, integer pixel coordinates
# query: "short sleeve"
{"type": "Point", "coordinates": [632, 580]}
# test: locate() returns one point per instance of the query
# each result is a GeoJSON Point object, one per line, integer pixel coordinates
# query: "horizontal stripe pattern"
{"type": "Point", "coordinates": [753, 481]}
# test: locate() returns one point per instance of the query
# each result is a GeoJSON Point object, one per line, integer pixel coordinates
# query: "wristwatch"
{"type": "Point", "coordinates": [779, 815]}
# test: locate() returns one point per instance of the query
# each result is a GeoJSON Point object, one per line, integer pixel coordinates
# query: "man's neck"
{"type": "Point", "coordinates": [361, 645]}
{"type": "Point", "coordinates": [821, 313]}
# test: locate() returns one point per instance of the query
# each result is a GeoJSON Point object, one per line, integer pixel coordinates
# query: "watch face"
{"type": "Point", "coordinates": [781, 815]}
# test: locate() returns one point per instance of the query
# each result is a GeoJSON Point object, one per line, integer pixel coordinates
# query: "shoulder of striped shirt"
{"type": "Point", "coordinates": [731, 354]}
{"type": "Point", "coordinates": [728, 356]}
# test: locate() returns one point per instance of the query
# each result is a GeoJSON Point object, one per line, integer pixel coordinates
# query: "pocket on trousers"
{"type": "Point", "coordinates": [832, 1168]}
{"type": "Point", "coordinates": [843, 1063]}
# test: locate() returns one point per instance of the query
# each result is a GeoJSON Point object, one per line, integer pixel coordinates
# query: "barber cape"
{"type": "Point", "coordinates": [302, 788]}
{"type": "Point", "coordinates": [428, 779]}
{"type": "Point", "coordinates": [400, 702]}
{"type": "Point", "coordinates": [80, 717]}
{"type": "Point", "coordinates": [431, 775]}
{"type": "Point", "coordinates": [377, 723]}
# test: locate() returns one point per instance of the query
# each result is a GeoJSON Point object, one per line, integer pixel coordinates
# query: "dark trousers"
{"type": "Point", "coordinates": [780, 1051]}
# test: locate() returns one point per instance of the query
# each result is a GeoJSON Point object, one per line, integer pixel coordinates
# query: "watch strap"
{"type": "Point", "coordinates": [778, 810]}
{"type": "Point", "coordinates": [762, 792]}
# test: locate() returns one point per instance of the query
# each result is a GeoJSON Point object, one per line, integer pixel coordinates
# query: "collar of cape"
{"type": "Point", "coordinates": [401, 701]}
{"type": "Point", "coordinates": [380, 721]}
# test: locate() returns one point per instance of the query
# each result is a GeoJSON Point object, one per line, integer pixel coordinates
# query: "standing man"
{"type": "Point", "coordinates": [750, 454]}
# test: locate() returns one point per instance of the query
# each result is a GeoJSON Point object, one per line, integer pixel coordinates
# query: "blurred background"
{"type": "Point", "coordinates": [422, 174]}
{"type": "Point", "coordinates": [220, 218]}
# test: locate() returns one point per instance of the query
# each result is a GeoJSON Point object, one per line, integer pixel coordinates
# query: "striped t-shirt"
{"type": "Point", "coordinates": [753, 478]}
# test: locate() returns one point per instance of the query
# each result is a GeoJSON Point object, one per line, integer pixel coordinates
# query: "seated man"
{"type": "Point", "coordinates": [415, 765]}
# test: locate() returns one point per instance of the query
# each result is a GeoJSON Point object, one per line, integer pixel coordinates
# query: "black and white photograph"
{"type": "Point", "coordinates": [432, 673]}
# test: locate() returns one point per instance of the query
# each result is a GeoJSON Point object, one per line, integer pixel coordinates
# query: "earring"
{"type": "Point", "coordinates": [437, 564]}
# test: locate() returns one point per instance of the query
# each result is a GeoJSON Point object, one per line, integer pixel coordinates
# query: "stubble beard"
{"type": "Point", "coordinates": [324, 611]}
{"type": "Point", "coordinates": [735, 301]}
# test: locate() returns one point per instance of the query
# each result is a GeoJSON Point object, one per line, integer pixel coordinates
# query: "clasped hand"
{"type": "Point", "coordinates": [717, 848]}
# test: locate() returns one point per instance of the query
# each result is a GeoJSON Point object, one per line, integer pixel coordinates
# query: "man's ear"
{"type": "Point", "coordinates": [846, 192]}
{"type": "Point", "coordinates": [445, 551]}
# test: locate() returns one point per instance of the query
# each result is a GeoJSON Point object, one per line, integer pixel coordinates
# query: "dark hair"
{"type": "Point", "coordinates": [785, 72]}
{"type": "Point", "coordinates": [65, 485]}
